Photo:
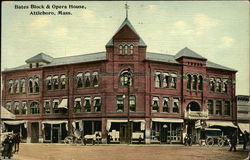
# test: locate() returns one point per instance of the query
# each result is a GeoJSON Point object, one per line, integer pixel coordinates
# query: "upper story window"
{"type": "Point", "coordinates": [24, 108]}
{"type": "Point", "coordinates": [87, 79]}
{"type": "Point", "coordinates": [95, 79]}
{"type": "Point", "coordinates": [55, 82]}
{"type": "Point", "coordinates": [155, 104]}
{"type": "Point", "coordinates": [120, 49]}
{"type": "Point", "coordinates": [31, 85]}
{"type": "Point", "coordinates": [49, 83]}
{"type": "Point", "coordinates": [173, 80]}
{"type": "Point", "coordinates": [55, 106]}
{"type": "Point", "coordinates": [97, 104]}
{"type": "Point", "coordinates": [17, 86]}
{"type": "Point", "coordinates": [120, 103]}
{"type": "Point", "coordinates": [166, 80]}
{"type": "Point", "coordinates": [158, 79]}
{"type": "Point", "coordinates": [131, 49]}
{"type": "Point", "coordinates": [210, 105]}
{"type": "Point", "coordinates": [47, 106]}
{"type": "Point", "coordinates": [224, 86]}
{"type": "Point", "coordinates": [8, 106]}
{"type": "Point", "coordinates": [194, 82]}
{"type": "Point", "coordinates": [218, 107]}
{"type": "Point", "coordinates": [79, 80]}
{"type": "Point", "coordinates": [23, 86]}
{"type": "Point", "coordinates": [126, 49]}
{"type": "Point", "coordinates": [36, 81]}
{"type": "Point", "coordinates": [11, 86]}
{"type": "Point", "coordinates": [63, 81]}
{"type": "Point", "coordinates": [87, 104]}
{"type": "Point", "coordinates": [165, 105]}
{"type": "Point", "coordinates": [34, 108]}
{"type": "Point", "coordinates": [218, 85]}
{"type": "Point", "coordinates": [227, 108]}
{"type": "Point", "coordinates": [132, 103]}
{"type": "Point", "coordinates": [176, 106]}
{"type": "Point", "coordinates": [189, 79]}
{"type": "Point", "coordinates": [212, 84]}
{"type": "Point", "coordinates": [125, 79]}
{"type": "Point", "coordinates": [34, 85]}
{"type": "Point", "coordinates": [78, 105]}
{"type": "Point", "coordinates": [16, 108]}
{"type": "Point", "coordinates": [200, 82]}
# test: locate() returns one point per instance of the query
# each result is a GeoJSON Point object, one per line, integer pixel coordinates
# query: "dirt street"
{"type": "Point", "coordinates": [125, 152]}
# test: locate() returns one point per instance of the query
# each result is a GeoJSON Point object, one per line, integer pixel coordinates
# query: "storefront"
{"type": "Point", "coordinates": [227, 127]}
{"type": "Point", "coordinates": [16, 127]}
{"type": "Point", "coordinates": [54, 131]}
{"type": "Point", "coordinates": [166, 130]}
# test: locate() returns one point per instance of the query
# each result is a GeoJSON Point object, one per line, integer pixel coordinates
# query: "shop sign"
{"type": "Point", "coordinates": [196, 114]}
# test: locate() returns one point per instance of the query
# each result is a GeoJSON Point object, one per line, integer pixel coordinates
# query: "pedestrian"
{"type": "Point", "coordinates": [7, 143]}
{"type": "Point", "coordinates": [16, 141]}
{"type": "Point", "coordinates": [108, 139]}
{"type": "Point", "coordinates": [189, 140]}
{"type": "Point", "coordinates": [233, 140]}
{"type": "Point", "coordinates": [140, 139]}
{"type": "Point", "coordinates": [245, 139]}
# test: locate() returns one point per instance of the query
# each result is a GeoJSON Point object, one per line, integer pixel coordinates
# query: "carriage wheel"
{"type": "Point", "coordinates": [220, 142]}
{"type": "Point", "coordinates": [210, 141]}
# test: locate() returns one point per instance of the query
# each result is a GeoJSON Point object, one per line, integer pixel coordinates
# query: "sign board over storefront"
{"type": "Point", "coordinates": [196, 114]}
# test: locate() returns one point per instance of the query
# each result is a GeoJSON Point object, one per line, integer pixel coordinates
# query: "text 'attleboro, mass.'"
{"type": "Point", "coordinates": [49, 9]}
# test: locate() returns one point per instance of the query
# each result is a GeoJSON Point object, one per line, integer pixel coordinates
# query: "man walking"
{"type": "Point", "coordinates": [245, 139]}
{"type": "Point", "coordinates": [233, 141]}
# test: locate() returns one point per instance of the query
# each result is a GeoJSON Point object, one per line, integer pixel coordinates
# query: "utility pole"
{"type": "Point", "coordinates": [129, 130]}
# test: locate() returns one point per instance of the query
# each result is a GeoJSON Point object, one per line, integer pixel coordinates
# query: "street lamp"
{"type": "Point", "coordinates": [129, 131]}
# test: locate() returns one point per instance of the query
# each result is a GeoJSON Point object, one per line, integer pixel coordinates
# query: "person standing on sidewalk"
{"type": "Point", "coordinates": [233, 141]}
{"type": "Point", "coordinates": [245, 139]}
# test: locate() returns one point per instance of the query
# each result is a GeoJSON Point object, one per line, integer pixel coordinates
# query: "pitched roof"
{"type": "Point", "coordinates": [186, 52]}
{"type": "Point", "coordinates": [126, 22]}
{"type": "Point", "coordinates": [41, 57]}
{"type": "Point", "coordinates": [215, 65]}
{"type": "Point", "coordinates": [160, 57]}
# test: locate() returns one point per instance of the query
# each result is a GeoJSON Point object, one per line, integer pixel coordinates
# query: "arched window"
{"type": "Point", "coordinates": [176, 105]}
{"type": "Point", "coordinates": [224, 86]}
{"type": "Point", "coordinates": [158, 79]}
{"type": "Point", "coordinates": [132, 103]}
{"type": "Point", "coordinates": [194, 82]}
{"type": "Point", "coordinates": [218, 85]}
{"type": "Point", "coordinates": [23, 87]}
{"type": "Point", "coordinates": [97, 104]}
{"type": "Point", "coordinates": [56, 82]}
{"type": "Point", "coordinates": [189, 79]}
{"type": "Point", "coordinates": [200, 83]}
{"type": "Point", "coordinates": [63, 81]}
{"type": "Point", "coordinates": [165, 105]}
{"type": "Point", "coordinates": [11, 86]}
{"type": "Point", "coordinates": [36, 85]}
{"type": "Point", "coordinates": [131, 50]}
{"type": "Point", "coordinates": [95, 79]}
{"type": "Point", "coordinates": [87, 104]}
{"type": "Point", "coordinates": [126, 49]}
{"type": "Point", "coordinates": [155, 104]}
{"type": "Point", "coordinates": [79, 79]}
{"type": "Point", "coordinates": [212, 84]}
{"type": "Point", "coordinates": [78, 105]}
{"type": "Point", "coordinates": [125, 79]}
{"type": "Point", "coordinates": [173, 80]}
{"type": "Point", "coordinates": [17, 86]}
{"type": "Point", "coordinates": [16, 108]}
{"type": "Point", "coordinates": [31, 85]}
{"type": "Point", "coordinates": [55, 106]}
{"type": "Point", "coordinates": [87, 79]}
{"type": "Point", "coordinates": [120, 49]}
{"type": "Point", "coordinates": [49, 83]}
{"type": "Point", "coordinates": [34, 108]}
{"type": "Point", "coordinates": [47, 106]}
{"type": "Point", "coordinates": [166, 80]}
{"type": "Point", "coordinates": [24, 108]}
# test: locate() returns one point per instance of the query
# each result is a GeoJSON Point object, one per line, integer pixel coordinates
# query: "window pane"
{"type": "Point", "coordinates": [218, 110]}
{"type": "Point", "coordinates": [210, 107]}
{"type": "Point", "coordinates": [120, 103]}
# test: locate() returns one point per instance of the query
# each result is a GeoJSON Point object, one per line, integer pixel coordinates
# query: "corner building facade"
{"type": "Point", "coordinates": [168, 96]}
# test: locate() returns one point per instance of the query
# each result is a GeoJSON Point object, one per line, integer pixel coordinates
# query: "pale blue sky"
{"type": "Point", "coordinates": [218, 31]}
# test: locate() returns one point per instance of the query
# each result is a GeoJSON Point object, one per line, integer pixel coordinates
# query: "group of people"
{"type": "Point", "coordinates": [12, 140]}
{"type": "Point", "coordinates": [233, 141]}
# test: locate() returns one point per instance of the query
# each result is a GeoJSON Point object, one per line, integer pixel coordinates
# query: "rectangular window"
{"type": "Point", "coordinates": [158, 79]}
{"type": "Point", "coordinates": [176, 105]}
{"type": "Point", "coordinates": [173, 80]}
{"type": "Point", "coordinates": [210, 105]}
{"type": "Point", "coordinates": [97, 104]}
{"type": "Point", "coordinates": [227, 108]}
{"type": "Point", "coordinates": [24, 108]}
{"type": "Point", "coordinates": [120, 103]}
{"type": "Point", "coordinates": [16, 109]}
{"type": "Point", "coordinates": [87, 104]}
{"type": "Point", "coordinates": [218, 110]}
{"type": "Point", "coordinates": [55, 107]}
{"type": "Point", "coordinates": [47, 107]}
{"type": "Point", "coordinates": [78, 105]}
{"type": "Point", "coordinates": [155, 104]}
{"type": "Point", "coordinates": [165, 105]}
{"type": "Point", "coordinates": [132, 103]}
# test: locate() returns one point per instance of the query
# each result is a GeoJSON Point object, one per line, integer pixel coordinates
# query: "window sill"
{"type": "Point", "coordinates": [54, 90]}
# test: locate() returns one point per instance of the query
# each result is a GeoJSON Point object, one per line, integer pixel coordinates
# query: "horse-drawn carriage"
{"type": "Point", "coordinates": [79, 138]}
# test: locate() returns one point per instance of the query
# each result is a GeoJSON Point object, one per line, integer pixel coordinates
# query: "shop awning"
{"type": "Point", "coordinates": [55, 122]}
{"type": "Point", "coordinates": [63, 104]}
{"type": "Point", "coordinates": [221, 123]}
{"type": "Point", "coordinates": [16, 123]}
{"type": "Point", "coordinates": [244, 127]}
{"type": "Point", "coordinates": [170, 120]}
{"type": "Point", "coordinates": [5, 114]}
{"type": "Point", "coordinates": [109, 121]}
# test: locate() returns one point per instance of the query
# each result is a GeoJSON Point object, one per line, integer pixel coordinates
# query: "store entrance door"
{"type": "Point", "coordinates": [123, 133]}
{"type": "Point", "coordinates": [34, 132]}
{"type": "Point", "coordinates": [55, 135]}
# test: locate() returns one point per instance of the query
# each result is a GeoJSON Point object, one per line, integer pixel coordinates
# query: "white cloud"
{"type": "Point", "coordinates": [226, 42]}
{"type": "Point", "coordinates": [61, 32]}
{"type": "Point", "coordinates": [40, 22]}
{"type": "Point", "coordinates": [200, 23]}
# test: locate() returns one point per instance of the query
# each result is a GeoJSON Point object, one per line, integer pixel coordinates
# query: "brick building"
{"type": "Point", "coordinates": [168, 95]}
